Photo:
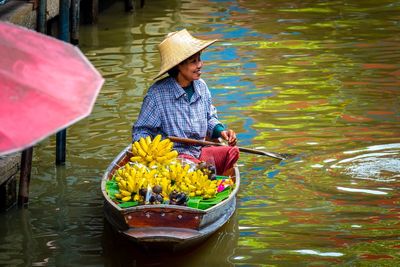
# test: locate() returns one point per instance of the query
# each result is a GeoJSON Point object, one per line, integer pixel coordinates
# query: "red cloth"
{"type": "Point", "coordinates": [223, 157]}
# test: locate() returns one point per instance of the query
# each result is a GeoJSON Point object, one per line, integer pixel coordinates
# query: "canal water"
{"type": "Point", "coordinates": [316, 79]}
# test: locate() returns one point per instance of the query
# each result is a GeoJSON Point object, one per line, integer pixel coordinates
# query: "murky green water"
{"type": "Point", "coordinates": [319, 79]}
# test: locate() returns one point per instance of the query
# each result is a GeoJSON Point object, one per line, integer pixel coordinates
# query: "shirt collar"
{"type": "Point", "coordinates": [196, 94]}
{"type": "Point", "coordinates": [178, 90]}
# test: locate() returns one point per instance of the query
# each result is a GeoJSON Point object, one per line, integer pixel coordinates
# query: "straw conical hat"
{"type": "Point", "coordinates": [177, 47]}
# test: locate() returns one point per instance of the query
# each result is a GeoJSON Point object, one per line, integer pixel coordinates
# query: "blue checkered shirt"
{"type": "Point", "coordinates": [166, 110]}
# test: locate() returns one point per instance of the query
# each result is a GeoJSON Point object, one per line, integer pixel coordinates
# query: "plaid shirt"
{"type": "Point", "coordinates": [166, 110]}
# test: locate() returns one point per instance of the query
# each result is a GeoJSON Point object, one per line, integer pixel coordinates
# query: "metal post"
{"type": "Point", "coordinates": [41, 16]}
{"type": "Point", "coordinates": [61, 137]}
{"type": "Point", "coordinates": [64, 21]}
{"type": "Point", "coordinates": [75, 10]}
{"type": "Point", "coordinates": [61, 144]}
{"type": "Point", "coordinates": [129, 5]}
{"type": "Point", "coordinates": [95, 11]}
{"type": "Point", "coordinates": [25, 177]}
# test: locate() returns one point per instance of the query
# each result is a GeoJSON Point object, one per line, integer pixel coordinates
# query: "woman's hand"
{"type": "Point", "coordinates": [230, 136]}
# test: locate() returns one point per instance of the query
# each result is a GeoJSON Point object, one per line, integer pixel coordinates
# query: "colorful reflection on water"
{"type": "Point", "coordinates": [318, 79]}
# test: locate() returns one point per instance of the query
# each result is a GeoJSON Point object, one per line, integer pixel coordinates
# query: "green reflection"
{"type": "Point", "coordinates": [309, 10]}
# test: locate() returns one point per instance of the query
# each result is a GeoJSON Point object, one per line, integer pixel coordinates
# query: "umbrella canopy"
{"type": "Point", "coordinates": [45, 86]}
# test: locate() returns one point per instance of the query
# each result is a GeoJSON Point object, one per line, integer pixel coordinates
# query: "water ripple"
{"type": "Point", "coordinates": [358, 190]}
{"type": "Point", "coordinates": [378, 163]}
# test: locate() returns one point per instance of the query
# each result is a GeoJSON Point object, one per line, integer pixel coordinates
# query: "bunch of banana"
{"type": "Point", "coordinates": [198, 184]}
{"type": "Point", "coordinates": [153, 152]}
{"type": "Point", "coordinates": [170, 175]}
{"type": "Point", "coordinates": [177, 172]}
{"type": "Point", "coordinates": [191, 182]}
{"type": "Point", "coordinates": [131, 179]}
{"type": "Point", "coordinates": [134, 179]}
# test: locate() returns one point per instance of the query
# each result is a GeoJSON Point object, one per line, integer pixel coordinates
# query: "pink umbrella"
{"type": "Point", "coordinates": [45, 86]}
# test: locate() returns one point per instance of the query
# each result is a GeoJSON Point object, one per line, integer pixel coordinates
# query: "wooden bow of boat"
{"type": "Point", "coordinates": [166, 225]}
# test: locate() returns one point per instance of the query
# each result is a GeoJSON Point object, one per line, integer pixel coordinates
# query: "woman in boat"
{"type": "Point", "coordinates": [181, 105]}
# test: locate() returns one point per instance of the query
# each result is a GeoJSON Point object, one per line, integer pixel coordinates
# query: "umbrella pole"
{"type": "Point", "coordinates": [25, 176]}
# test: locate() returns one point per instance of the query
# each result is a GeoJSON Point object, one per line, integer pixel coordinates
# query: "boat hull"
{"type": "Point", "coordinates": [162, 225]}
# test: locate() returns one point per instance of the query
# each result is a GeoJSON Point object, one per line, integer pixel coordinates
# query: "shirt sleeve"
{"type": "Point", "coordinates": [212, 117]}
{"type": "Point", "coordinates": [217, 131]}
{"type": "Point", "coordinates": [148, 123]}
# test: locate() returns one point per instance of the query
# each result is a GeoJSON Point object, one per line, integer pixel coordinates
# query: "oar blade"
{"type": "Point", "coordinates": [264, 153]}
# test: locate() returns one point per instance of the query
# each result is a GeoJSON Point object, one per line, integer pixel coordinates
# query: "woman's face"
{"type": "Point", "coordinates": [190, 69]}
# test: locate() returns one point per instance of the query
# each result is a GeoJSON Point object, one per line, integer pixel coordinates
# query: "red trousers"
{"type": "Point", "coordinates": [223, 157]}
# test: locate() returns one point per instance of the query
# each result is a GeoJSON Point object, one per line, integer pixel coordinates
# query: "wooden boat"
{"type": "Point", "coordinates": [165, 225]}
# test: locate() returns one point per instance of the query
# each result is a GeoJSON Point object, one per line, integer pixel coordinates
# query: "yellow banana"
{"type": "Point", "coordinates": [184, 188]}
{"type": "Point", "coordinates": [152, 163]}
{"type": "Point", "coordinates": [161, 159]}
{"type": "Point", "coordinates": [140, 151]}
{"type": "Point", "coordinates": [148, 140]}
{"type": "Point", "coordinates": [125, 199]}
{"type": "Point", "coordinates": [156, 142]}
{"type": "Point", "coordinates": [210, 191]}
{"type": "Point", "coordinates": [143, 144]}
{"type": "Point", "coordinates": [122, 185]}
{"type": "Point", "coordinates": [136, 158]}
{"type": "Point", "coordinates": [169, 146]}
{"type": "Point", "coordinates": [130, 185]}
{"type": "Point", "coordinates": [191, 187]}
{"type": "Point", "coordinates": [172, 155]}
{"type": "Point", "coordinates": [127, 167]}
{"type": "Point", "coordinates": [133, 173]}
{"type": "Point", "coordinates": [151, 174]}
{"type": "Point", "coordinates": [163, 143]}
{"type": "Point", "coordinates": [187, 180]}
{"type": "Point", "coordinates": [186, 168]}
{"type": "Point", "coordinates": [125, 193]}
{"type": "Point", "coordinates": [134, 149]}
{"type": "Point", "coordinates": [162, 148]}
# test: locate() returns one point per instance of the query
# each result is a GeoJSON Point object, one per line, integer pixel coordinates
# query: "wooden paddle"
{"type": "Point", "coordinates": [241, 149]}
